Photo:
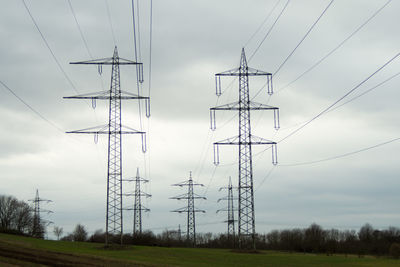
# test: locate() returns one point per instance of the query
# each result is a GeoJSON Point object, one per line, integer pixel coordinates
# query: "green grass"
{"type": "Point", "coordinates": [158, 256]}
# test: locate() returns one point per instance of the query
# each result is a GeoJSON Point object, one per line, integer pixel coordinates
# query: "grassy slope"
{"type": "Point", "coordinates": [156, 256]}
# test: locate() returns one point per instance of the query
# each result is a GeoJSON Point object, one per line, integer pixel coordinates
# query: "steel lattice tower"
{"type": "Point", "coordinates": [190, 209]}
{"type": "Point", "coordinates": [114, 129]}
{"type": "Point", "coordinates": [137, 206]}
{"type": "Point", "coordinates": [38, 226]}
{"type": "Point", "coordinates": [231, 212]}
{"type": "Point", "coordinates": [245, 140]}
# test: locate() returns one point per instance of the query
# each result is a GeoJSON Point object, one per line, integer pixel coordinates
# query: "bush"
{"type": "Point", "coordinates": [394, 250]}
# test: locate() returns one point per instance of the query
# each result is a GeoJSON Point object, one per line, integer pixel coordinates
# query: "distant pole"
{"type": "Point", "coordinates": [244, 141]}
{"type": "Point", "coordinates": [190, 208]}
{"type": "Point", "coordinates": [231, 213]}
{"type": "Point", "coordinates": [138, 207]}
{"type": "Point", "coordinates": [38, 224]}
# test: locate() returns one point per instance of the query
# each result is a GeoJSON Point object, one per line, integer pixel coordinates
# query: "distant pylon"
{"type": "Point", "coordinates": [137, 206]}
{"type": "Point", "coordinates": [245, 140]}
{"type": "Point", "coordinates": [231, 212]}
{"type": "Point", "coordinates": [190, 209]}
{"type": "Point", "coordinates": [114, 129]}
{"type": "Point", "coordinates": [38, 224]}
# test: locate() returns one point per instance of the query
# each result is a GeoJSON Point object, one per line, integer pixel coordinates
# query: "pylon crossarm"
{"type": "Point", "coordinates": [102, 129]}
{"type": "Point", "coordinates": [107, 61]}
{"type": "Point", "coordinates": [140, 193]}
{"type": "Point", "coordinates": [183, 196]}
{"type": "Point", "coordinates": [186, 183]}
{"type": "Point", "coordinates": [249, 72]}
{"type": "Point", "coordinates": [105, 95]}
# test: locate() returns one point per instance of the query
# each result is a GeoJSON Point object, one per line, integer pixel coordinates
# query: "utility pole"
{"type": "Point", "coordinates": [230, 210]}
{"type": "Point", "coordinates": [190, 209]}
{"type": "Point", "coordinates": [38, 227]}
{"type": "Point", "coordinates": [245, 140]}
{"type": "Point", "coordinates": [114, 129]}
{"type": "Point", "coordinates": [138, 207]}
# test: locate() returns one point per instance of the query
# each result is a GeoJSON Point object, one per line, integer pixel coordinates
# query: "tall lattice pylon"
{"type": "Point", "coordinates": [245, 140]}
{"type": "Point", "coordinates": [230, 212]}
{"type": "Point", "coordinates": [39, 224]}
{"type": "Point", "coordinates": [138, 207]}
{"type": "Point", "coordinates": [190, 209]}
{"type": "Point", "coordinates": [114, 129]}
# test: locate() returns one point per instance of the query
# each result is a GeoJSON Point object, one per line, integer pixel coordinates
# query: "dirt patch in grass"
{"type": "Point", "coordinates": [14, 254]}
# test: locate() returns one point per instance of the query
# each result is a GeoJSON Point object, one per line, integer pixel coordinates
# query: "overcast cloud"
{"type": "Point", "coordinates": [193, 40]}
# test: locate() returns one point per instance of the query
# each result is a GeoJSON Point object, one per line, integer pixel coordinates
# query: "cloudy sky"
{"type": "Point", "coordinates": [191, 41]}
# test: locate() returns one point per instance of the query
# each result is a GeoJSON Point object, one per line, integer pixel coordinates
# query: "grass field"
{"type": "Point", "coordinates": [23, 251]}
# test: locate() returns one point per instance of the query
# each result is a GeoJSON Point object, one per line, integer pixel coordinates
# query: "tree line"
{"type": "Point", "coordinates": [313, 239]}
{"type": "Point", "coordinates": [17, 217]}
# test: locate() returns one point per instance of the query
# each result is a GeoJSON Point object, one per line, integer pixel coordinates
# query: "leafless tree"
{"type": "Point", "coordinates": [58, 231]}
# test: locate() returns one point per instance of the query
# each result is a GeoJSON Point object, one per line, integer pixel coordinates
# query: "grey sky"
{"type": "Point", "coordinates": [193, 40]}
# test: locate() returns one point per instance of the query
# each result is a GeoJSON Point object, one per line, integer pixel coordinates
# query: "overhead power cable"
{"type": "Point", "coordinates": [340, 99]}
{"type": "Point", "coordinates": [304, 37]}
{"type": "Point", "coordinates": [136, 59]}
{"type": "Point", "coordinates": [341, 155]}
{"type": "Point", "coordinates": [262, 24]}
{"type": "Point", "coordinates": [336, 48]}
{"type": "Point", "coordinates": [49, 48]}
{"type": "Point", "coordinates": [110, 22]}
{"type": "Point", "coordinates": [350, 100]}
{"type": "Point", "coordinates": [269, 31]}
{"type": "Point", "coordinates": [80, 30]}
{"type": "Point", "coordinates": [52, 124]}
{"type": "Point", "coordinates": [365, 92]}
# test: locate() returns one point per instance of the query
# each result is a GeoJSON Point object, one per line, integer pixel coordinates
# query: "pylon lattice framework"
{"type": "Point", "coordinates": [230, 211]}
{"type": "Point", "coordinates": [114, 129]}
{"type": "Point", "coordinates": [38, 227]}
{"type": "Point", "coordinates": [245, 140]}
{"type": "Point", "coordinates": [190, 209]}
{"type": "Point", "coordinates": [137, 206]}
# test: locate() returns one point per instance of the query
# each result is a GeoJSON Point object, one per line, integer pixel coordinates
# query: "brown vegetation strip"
{"type": "Point", "coordinates": [30, 255]}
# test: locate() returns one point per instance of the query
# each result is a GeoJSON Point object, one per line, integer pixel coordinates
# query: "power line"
{"type": "Point", "coordinates": [79, 28]}
{"type": "Point", "coordinates": [336, 48]}
{"type": "Point", "coordinates": [262, 24]}
{"type": "Point", "coordinates": [136, 59]}
{"type": "Point", "coordinates": [269, 31]}
{"type": "Point", "coordinates": [341, 155]}
{"type": "Point", "coordinates": [340, 99]}
{"type": "Point", "coordinates": [110, 21]}
{"type": "Point", "coordinates": [350, 100]}
{"type": "Point", "coordinates": [49, 48]}
{"type": "Point", "coordinates": [304, 37]}
{"type": "Point", "coordinates": [367, 91]}
{"type": "Point", "coordinates": [52, 124]}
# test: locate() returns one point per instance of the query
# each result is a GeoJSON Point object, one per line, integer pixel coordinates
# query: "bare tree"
{"type": "Point", "coordinates": [80, 234]}
{"type": "Point", "coordinates": [58, 231]}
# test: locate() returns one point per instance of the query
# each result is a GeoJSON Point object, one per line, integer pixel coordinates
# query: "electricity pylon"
{"type": "Point", "coordinates": [230, 210]}
{"type": "Point", "coordinates": [38, 226]}
{"type": "Point", "coordinates": [190, 209]}
{"type": "Point", "coordinates": [245, 140]}
{"type": "Point", "coordinates": [137, 206]}
{"type": "Point", "coordinates": [114, 129]}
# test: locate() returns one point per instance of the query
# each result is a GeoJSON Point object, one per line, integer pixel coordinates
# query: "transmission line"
{"type": "Point", "coordinates": [110, 21]}
{"type": "Point", "coordinates": [304, 37]}
{"type": "Point", "coordinates": [342, 155]}
{"type": "Point", "coordinates": [79, 28]}
{"type": "Point", "coordinates": [49, 48]}
{"type": "Point", "coordinates": [269, 31]}
{"type": "Point", "coordinates": [262, 24]}
{"type": "Point", "coordinates": [340, 99]}
{"type": "Point", "coordinates": [336, 48]}
{"type": "Point", "coordinates": [52, 124]}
